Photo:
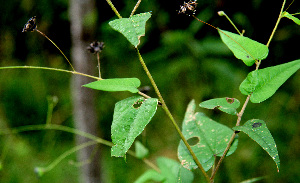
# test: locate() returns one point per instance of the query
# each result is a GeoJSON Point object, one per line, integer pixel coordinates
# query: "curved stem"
{"type": "Point", "coordinates": [164, 106]}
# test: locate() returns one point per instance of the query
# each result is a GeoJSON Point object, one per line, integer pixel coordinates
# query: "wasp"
{"type": "Point", "coordinates": [190, 6]}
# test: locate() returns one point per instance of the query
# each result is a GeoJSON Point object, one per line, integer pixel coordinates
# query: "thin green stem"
{"type": "Point", "coordinates": [49, 68]}
{"type": "Point", "coordinates": [56, 47]}
{"type": "Point", "coordinates": [164, 106]}
{"type": "Point", "coordinates": [222, 13]}
{"type": "Point", "coordinates": [98, 58]}
{"type": "Point", "coordinates": [135, 7]}
{"type": "Point", "coordinates": [113, 8]}
{"type": "Point", "coordinates": [64, 155]}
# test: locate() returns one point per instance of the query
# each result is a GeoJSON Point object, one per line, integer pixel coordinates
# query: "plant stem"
{"type": "Point", "coordinates": [98, 58]}
{"type": "Point", "coordinates": [56, 47]}
{"type": "Point", "coordinates": [164, 106]}
{"type": "Point", "coordinates": [222, 13]}
{"type": "Point", "coordinates": [135, 7]}
{"type": "Point", "coordinates": [113, 8]}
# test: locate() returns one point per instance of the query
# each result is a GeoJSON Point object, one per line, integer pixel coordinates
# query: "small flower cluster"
{"type": "Point", "coordinates": [189, 6]}
{"type": "Point", "coordinates": [96, 47]}
{"type": "Point", "coordinates": [30, 25]}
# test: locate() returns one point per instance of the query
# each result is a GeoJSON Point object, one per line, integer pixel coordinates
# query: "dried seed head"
{"type": "Point", "coordinates": [189, 6]}
{"type": "Point", "coordinates": [96, 47]}
{"type": "Point", "coordinates": [30, 25]}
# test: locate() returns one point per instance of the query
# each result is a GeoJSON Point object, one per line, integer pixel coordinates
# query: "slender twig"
{"type": "Point", "coordinates": [164, 106]}
{"type": "Point", "coordinates": [135, 7]}
{"type": "Point", "coordinates": [113, 8]}
{"type": "Point", "coordinates": [222, 13]}
{"type": "Point", "coordinates": [56, 47]}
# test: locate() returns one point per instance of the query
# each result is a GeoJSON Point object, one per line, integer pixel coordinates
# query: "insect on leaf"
{"type": "Point", "coordinates": [263, 83]}
{"type": "Point", "coordinates": [257, 130]}
{"type": "Point", "coordinates": [132, 28]}
{"type": "Point", "coordinates": [244, 48]}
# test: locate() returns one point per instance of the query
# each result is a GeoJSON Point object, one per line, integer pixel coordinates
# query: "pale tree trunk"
{"type": "Point", "coordinates": [85, 117]}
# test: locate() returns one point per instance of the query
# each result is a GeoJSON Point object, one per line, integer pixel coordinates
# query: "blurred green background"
{"type": "Point", "coordinates": [187, 60]}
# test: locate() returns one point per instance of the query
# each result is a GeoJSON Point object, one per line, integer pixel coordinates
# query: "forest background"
{"type": "Point", "coordinates": [187, 60]}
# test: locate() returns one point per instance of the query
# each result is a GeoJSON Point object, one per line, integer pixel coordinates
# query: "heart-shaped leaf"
{"type": "Point", "coordinates": [263, 83]}
{"type": "Point", "coordinates": [131, 116]}
{"type": "Point", "coordinates": [244, 48]}
{"type": "Point", "coordinates": [228, 105]}
{"type": "Point", "coordinates": [210, 139]}
{"type": "Point", "coordinates": [118, 84]}
{"type": "Point", "coordinates": [132, 28]}
{"type": "Point", "coordinates": [257, 130]}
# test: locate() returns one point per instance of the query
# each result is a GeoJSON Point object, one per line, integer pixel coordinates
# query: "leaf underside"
{"type": "Point", "coordinates": [228, 105]}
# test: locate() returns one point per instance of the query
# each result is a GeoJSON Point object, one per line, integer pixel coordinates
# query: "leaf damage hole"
{"type": "Point", "coordinates": [229, 100]}
{"type": "Point", "coordinates": [138, 103]}
{"type": "Point", "coordinates": [255, 125]}
{"type": "Point", "coordinates": [193, 141]}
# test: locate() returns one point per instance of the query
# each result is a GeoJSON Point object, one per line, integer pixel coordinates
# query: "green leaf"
{"type": "Point", "coordinates": [132, 28]}
{"type": "Point", "coordinates": [118, 84]}
{"type": "Point", "coordinates": [244, 48]}
{"type": "Point", "coordinates": [212, 139]}
{"type": "Point", "coordinates": [258, 131]}
{"type": "Point", "coordinates": [228, 105]}
{"type": "Point", "coordinates": [140, 150]}
{"type": "Point", "coordinates": [131, 116]}
{"type": "Point", "coordinates": [287, 15]}
{"type": "Point", "coordinates": [170, 172]}
{"type": "Point", "coordinates": [263, 83]}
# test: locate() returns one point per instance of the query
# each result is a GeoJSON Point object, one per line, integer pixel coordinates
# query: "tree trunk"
{"type": "Point", "coordinates": [85, 118]}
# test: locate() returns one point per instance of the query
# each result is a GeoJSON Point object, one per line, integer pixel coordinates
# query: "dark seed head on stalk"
{"type": "Point", "coordinates": [30, 25]}
{"type": "Point", "coordinates": [189, 6]}
{"type": "Point", "coordinates": [96, 47]}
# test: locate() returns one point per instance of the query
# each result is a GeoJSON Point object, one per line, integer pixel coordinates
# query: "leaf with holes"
{"type": "Point", "coordinates": [287, 15]}
{"type": "Point", "coordinates": [132, 28]}
{"type": "Point", "coordinates": [228, 105]}
{"type": "Point", "coordinates": [131, 116]}
{"type": "Point", "coordinates": [212, 138]}
{"type": "Point", "coordinates": [257, 130]}
{"type": "Point", "coordinates": [117, 84]}
{"type": "Point", "coordinates": [170, 171]}
{"type": "Point", "coordinates": [244, 48]}
{"type": "Point", "coordinates": [263, 83]}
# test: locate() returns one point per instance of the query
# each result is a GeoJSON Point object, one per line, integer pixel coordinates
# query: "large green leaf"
{"type": "Point", "coordinates": [132, 28]}
{"type": "Point", "coordinates": [258, 131]}
{"type": "Point", "coordinates": [263, 83]}
{"type": "Point", "coordinates": [170, 172]}
{"type": "Point", "coordinates": [118, 84]}
{"type": "Point", "coordinates": [244, 48]}
{"type": "Point", "coordinates": [228, 105]}
{"type": "Point", "coordinates": [210, 139]}
{"type": "Point", "coordinates": [287, 15]}
{"type": "Point", "coordinates": [131, 116]}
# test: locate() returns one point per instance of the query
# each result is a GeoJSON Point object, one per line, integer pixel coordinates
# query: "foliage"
{"type": "Point", "coordinates": [132, 114]}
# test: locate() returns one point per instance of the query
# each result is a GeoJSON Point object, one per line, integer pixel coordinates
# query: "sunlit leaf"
{"type": "Point", "coordinates": [211, 139]}
{"type": "Point", "coordinates": [131, 116]}
{"type": "Point", "coordinates": [132, 28]}
{"type": "Point", "coordinates": [263, 83]}
{"type": "Point", "coordinates": [170, 172]}
{"type": "Point", "coordinates": [287, 15]}
{"type": "Point", "coordinates": [257, 130]}
{"type": "Point", "coordinates": [118, 84]}
{"type": "Point", "coordinates": [244, 48]}
{"type": "Point", "coordinates": [228, 105]}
